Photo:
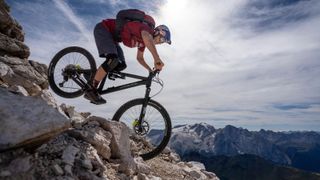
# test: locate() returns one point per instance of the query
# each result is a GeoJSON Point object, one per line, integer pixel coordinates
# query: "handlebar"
{"type": "Point", "coordinates": [153, 73]}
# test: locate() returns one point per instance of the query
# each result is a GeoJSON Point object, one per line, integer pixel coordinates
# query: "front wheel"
{"type": "Point", "coordinates": [154, 133]}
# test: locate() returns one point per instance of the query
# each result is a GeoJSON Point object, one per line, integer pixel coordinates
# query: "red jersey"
{"type": "Point", "coordinates": [130, 34]}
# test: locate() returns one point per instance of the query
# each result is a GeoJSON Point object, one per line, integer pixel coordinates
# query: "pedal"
{"type": "Point", "coordinates": [96, 103]}
{"type": "Point", "coordinates": [114, 75]}
{"type": "Point", "coordinates": [111, 77]}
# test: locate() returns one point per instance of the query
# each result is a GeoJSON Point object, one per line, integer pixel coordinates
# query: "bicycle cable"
{"type": "Point", "coordinates": [157, 80]}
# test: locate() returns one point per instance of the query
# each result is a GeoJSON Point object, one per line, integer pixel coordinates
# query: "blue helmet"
{"type": "Point", "coordinates": [165, 32]}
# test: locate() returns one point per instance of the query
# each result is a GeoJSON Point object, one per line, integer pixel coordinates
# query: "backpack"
{"type": "Point", "coordinates": [128, 15]}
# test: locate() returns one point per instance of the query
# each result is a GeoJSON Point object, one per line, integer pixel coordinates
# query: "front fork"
{"type": "Point", "coordinates": [144, 109]}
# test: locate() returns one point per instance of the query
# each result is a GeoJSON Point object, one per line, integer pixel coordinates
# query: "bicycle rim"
{"type": "Point", "coordinates": [156, 127]}
{"type": "Point", "coordinates": [71, 57]}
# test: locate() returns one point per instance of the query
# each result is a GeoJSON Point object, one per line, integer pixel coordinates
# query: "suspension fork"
{"type": "Point", "coordinates": [145, 103]}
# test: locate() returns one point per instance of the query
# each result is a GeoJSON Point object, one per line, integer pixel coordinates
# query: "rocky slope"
{"type": "Point", "coordinates": [94, 148]}
{"type": "Point", "coordinates": [42, 140]}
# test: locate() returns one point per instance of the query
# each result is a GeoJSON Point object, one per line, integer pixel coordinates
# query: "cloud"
{"type": "Point", "coordinates": [292, 106]}
{"type": "Point", "coordinates": [224, 58]}
{"type": "Point", "coordinates": [75, 20]}
{"type": "Point", "coordinates": [264, 15]}
{"type": "Point", "coordinates": [239, 62]}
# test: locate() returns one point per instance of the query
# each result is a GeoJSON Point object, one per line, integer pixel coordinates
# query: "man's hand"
{"type": "Point", "coordinates": [158, 64]}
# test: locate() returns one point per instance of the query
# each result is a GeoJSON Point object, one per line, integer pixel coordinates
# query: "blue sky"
{"type": "Point", "coordinates": [248, 63]}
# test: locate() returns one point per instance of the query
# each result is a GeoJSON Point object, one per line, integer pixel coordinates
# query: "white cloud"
{"type": "Point", "coordinates": [64, 7]}
{"type": "Point", "coordinates": [214, 63]}
{"type": "Point", "coordinates": [220, 68]}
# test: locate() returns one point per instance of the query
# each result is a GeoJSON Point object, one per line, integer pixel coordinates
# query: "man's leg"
{"type": "Point", "coordinates": [106, 48]}
{"type": "Point", "coordinates": [122, 63]}
{"type": "Point", "coordinates": [108, 65]}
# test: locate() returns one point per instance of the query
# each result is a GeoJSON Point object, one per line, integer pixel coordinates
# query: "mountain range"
{"type": "Point", "coordinates": [290, 154]}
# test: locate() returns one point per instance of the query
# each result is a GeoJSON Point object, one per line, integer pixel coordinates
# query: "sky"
{"type": "Point", "coordinates": [248, 63]}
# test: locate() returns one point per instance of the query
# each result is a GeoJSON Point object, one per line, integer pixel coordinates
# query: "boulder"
{"type": "Point", "coordinates": [97, 137]}
{"type": "Point", "coordinates": [42, 69]}
{"type": "Point", "coordinates": [16, 71]}
{"type": "Point", "coordinates": [5, 70]}
{"type": "Point", "coordinates": [47, 96]}
{"type": "Point", "coordinates": [120, 143]}
{"type": "Point", "coordinates": [77, 119]}
{"type": "Point", "coordinates": [8, 25]}
{"type": "Point", "coordinates": [18, 90]}
{"type": "Point", "coordinates": [68, 157]}
{"type": "Point", "coordinates": [27, 121]}
{"type": "Point", "coordinates": [12, 47]}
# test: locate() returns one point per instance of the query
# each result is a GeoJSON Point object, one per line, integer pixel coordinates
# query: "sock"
{"type": "Point", "coordinates": [95, 83]}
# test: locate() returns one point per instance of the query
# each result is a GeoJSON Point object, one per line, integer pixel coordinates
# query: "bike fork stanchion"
{"type": "Point", "coordinates": [145, 103]}
{"type": "Point", "coordinates": [144, 109]}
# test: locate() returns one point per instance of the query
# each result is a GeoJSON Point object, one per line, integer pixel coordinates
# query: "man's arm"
{"type": "Point", "coordinates": [148, 41]}
{"type": "Point", "coordinates": [141, 60]}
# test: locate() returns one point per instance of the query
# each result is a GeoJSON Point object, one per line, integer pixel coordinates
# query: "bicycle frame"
{"type": "Point", "coordinates": [143, 81]}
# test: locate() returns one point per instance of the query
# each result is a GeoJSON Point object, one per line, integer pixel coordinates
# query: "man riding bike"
{"type": "Point", "coordinates": [134, 32]}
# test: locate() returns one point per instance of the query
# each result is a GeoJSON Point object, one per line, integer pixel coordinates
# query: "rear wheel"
{"type": "Point", "coordinates": [156, 126]}
{"type": "Point", "coordinates": [67, 63]}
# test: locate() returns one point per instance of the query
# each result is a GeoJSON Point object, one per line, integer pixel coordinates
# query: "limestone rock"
{"type": "Point", "coordinates": [120, 144]}
{"type": "Point", "coordinates": [68, 157]}
{"type": "Point", "coordinates": [20, 165]}
{"type": "Point", "coordinates": [86, 162]}
{"type": "Point", "coordinates": [8, 25]}
{"type": "Point", "coordinates": [57, 170]}
{"type": "Point", "coordinates": [18, 90]}
{"type": "Point", "coordinates": [23, 74]}
{"type": "Point", "coordinates": [77, 120]}
{"type": "Point", "coordinates": [48, 97]}
{"type": "Point", "coordinates": [5, 70]}
{"type": "Point", "coordinates": [12, 47]}
{"type": "Point", "coordinates": [197, 165]}
{"type": "Point", "coordinates": [26, 121]}
{"type": "Point", "coordinates": [42, 69]}
{"type": "Point", "coordinates": [69, 154]}
{"type": "Point", "coordinates": [142, 167]}
{"type": "Point", "coordinates": [96, 136]}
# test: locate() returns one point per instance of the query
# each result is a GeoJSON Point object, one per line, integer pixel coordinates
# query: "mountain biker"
{"type": "Point", "coordinates": [132, 34]}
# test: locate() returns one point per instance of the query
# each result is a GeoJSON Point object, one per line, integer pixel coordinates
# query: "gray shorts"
{"type": "Point", "coordinates": [106, 44]}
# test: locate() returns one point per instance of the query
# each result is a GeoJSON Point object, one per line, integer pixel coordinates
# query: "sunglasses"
{"type": "Point", "coordinates": [161, 34]}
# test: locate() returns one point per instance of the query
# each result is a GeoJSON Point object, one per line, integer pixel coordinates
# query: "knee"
{"type": "Point", "coordinates": [121, 66]}
{"type": "Point", "coordinates": [110, 64]}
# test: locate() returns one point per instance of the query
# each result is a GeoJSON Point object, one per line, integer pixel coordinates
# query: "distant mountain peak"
{"type": "Point", "coordinates": [199, 129]}
{"type": "Point", "coordinates": [279, 147]}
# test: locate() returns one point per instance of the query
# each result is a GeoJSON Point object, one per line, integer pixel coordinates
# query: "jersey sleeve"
{"type": "Point", "coordinates": [142, 48]}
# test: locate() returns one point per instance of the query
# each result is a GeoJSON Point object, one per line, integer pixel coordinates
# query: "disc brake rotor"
{"type": "Point", "coordinates": [143, 130]}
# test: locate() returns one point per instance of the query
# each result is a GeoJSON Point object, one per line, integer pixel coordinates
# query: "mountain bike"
{"type": "Point", "coordinates": [72, 68]}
